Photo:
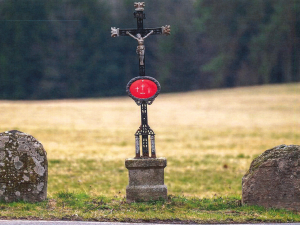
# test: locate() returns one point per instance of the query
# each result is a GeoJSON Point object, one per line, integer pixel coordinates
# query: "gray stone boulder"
{"type": "Point", "coordinates": [23, 168]}
{"type": "Point", "coordinates": [273, 179]}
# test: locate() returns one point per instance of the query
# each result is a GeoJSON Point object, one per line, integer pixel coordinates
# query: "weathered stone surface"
{"type": "Point", "coordinates": [23, 168]}
{"type": "Point", "coordinates": [146, 179]}
{"type": "Point", "coordinates": [273, 179]}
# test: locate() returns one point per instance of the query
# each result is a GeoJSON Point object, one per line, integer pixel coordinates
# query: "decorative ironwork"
{"type": "Point", "coordinates": [138, 100]}
{"type": "Point", "coordinates": [137, 146]}
{"type": "Point", "coordinates": [142, 93]}
{"type": "Point", "coordinates": [139, 6]}
{"type": "Point", "coordinates": [114, 32]}
{"type": "Point", "coordinates": [166, 30]}
{"type": "Point", "coordinates": [145, 131]}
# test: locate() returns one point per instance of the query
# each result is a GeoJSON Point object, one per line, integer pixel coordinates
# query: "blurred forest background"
{"type": "Point", "coordinates": [63, 49]}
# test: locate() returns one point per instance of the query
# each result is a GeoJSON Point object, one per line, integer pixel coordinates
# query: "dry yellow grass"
{"type": "Point", "coordinates": [212, 132]}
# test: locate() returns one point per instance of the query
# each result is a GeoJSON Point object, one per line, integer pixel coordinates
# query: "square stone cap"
{"type": "Point", "coordinates": [145, 163]}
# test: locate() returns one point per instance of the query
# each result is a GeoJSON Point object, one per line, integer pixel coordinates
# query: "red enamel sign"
{"type": "Point", "coordinates": [143, 88]}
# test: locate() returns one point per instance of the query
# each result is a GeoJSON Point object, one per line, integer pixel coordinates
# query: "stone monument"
{"type": "Point", "coordinates": [23, 168]}
{"type": "Point", "coordinates": [146, 173]}
{"type": "Point", "coordinates": [273, 179]}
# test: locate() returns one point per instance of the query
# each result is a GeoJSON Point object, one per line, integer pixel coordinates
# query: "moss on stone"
{"type": "Point", "coordinates": [281, 151]}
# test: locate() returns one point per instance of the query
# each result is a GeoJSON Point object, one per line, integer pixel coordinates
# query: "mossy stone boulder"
{"type": "Point", "coordinates": [23, 168]}
{"type": "Point", "coordinates": [273, 179]}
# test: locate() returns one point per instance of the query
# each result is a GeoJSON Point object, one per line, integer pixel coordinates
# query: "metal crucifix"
{"type": "Point", "coordinates": [140, 33]}
{"type": "Point", "coordinates": [142, 89]}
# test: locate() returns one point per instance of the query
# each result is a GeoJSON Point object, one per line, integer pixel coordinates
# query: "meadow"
{"type": "Point", "coordinates": [208, 137]}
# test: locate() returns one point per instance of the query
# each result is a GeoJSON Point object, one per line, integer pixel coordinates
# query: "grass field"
{"type": "Point", "coordinates": [208, 137]}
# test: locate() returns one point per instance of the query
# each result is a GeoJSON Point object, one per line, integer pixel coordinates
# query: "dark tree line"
{"type": "Point", "coordinates": [253, 42]}
{"type": "Point", "coordinates": [63, 49]}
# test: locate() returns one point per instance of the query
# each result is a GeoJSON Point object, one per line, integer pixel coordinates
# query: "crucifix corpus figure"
{"type": "Point", "coordinates": [140, 50]}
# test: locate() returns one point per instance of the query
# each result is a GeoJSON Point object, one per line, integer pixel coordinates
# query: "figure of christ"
{"type": "Point", "coordinates": [140, 50]}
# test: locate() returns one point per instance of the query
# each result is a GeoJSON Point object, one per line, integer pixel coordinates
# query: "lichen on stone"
{"type": "Point", "coordinates": [23, 168]}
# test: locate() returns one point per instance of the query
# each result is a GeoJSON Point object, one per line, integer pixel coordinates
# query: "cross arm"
{"type": "Point", "coordinates": [116, 32]}
{"type": "Point", "coordinates": [157, 30]}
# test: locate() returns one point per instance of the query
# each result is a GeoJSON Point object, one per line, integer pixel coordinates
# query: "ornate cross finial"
{"type": "Point", "coordinates": [114, 32]}
{"type": "Point", "coordinates": [166, 30]}
{"type": "Point", "coordinates": [139, 6]}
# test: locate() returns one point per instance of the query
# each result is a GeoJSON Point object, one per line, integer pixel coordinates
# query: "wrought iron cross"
{"type": "Point", "coordinates": [136, 86]}
{"type": "Point", "coordinates": [140, 34]}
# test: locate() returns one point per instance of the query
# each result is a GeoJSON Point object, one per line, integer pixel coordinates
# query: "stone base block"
{"type": "Point", "coordinates": [146, 179]}
{"type": "Point", "coordinates": [146, 193]}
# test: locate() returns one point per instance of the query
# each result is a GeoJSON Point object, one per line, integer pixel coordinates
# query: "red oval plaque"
{"type": "Point", "coordinates": [143, 88]}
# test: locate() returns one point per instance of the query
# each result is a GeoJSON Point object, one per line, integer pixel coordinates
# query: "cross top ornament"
{"type": "Point", "coordinates": [142, 89]}
{"type": "Point", "coordinates": [139, 6]}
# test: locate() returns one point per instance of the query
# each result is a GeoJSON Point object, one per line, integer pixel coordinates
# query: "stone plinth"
{"type": "Point", "coordinates": [23, 168]}
{"type": "Point", "coordinates": [146, 179]}
{"type": "Point", "coordinates": [273, 179]}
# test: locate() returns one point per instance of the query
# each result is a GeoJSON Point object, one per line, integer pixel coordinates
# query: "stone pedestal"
{"type": "Point", "coordinates": [146, 179]}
